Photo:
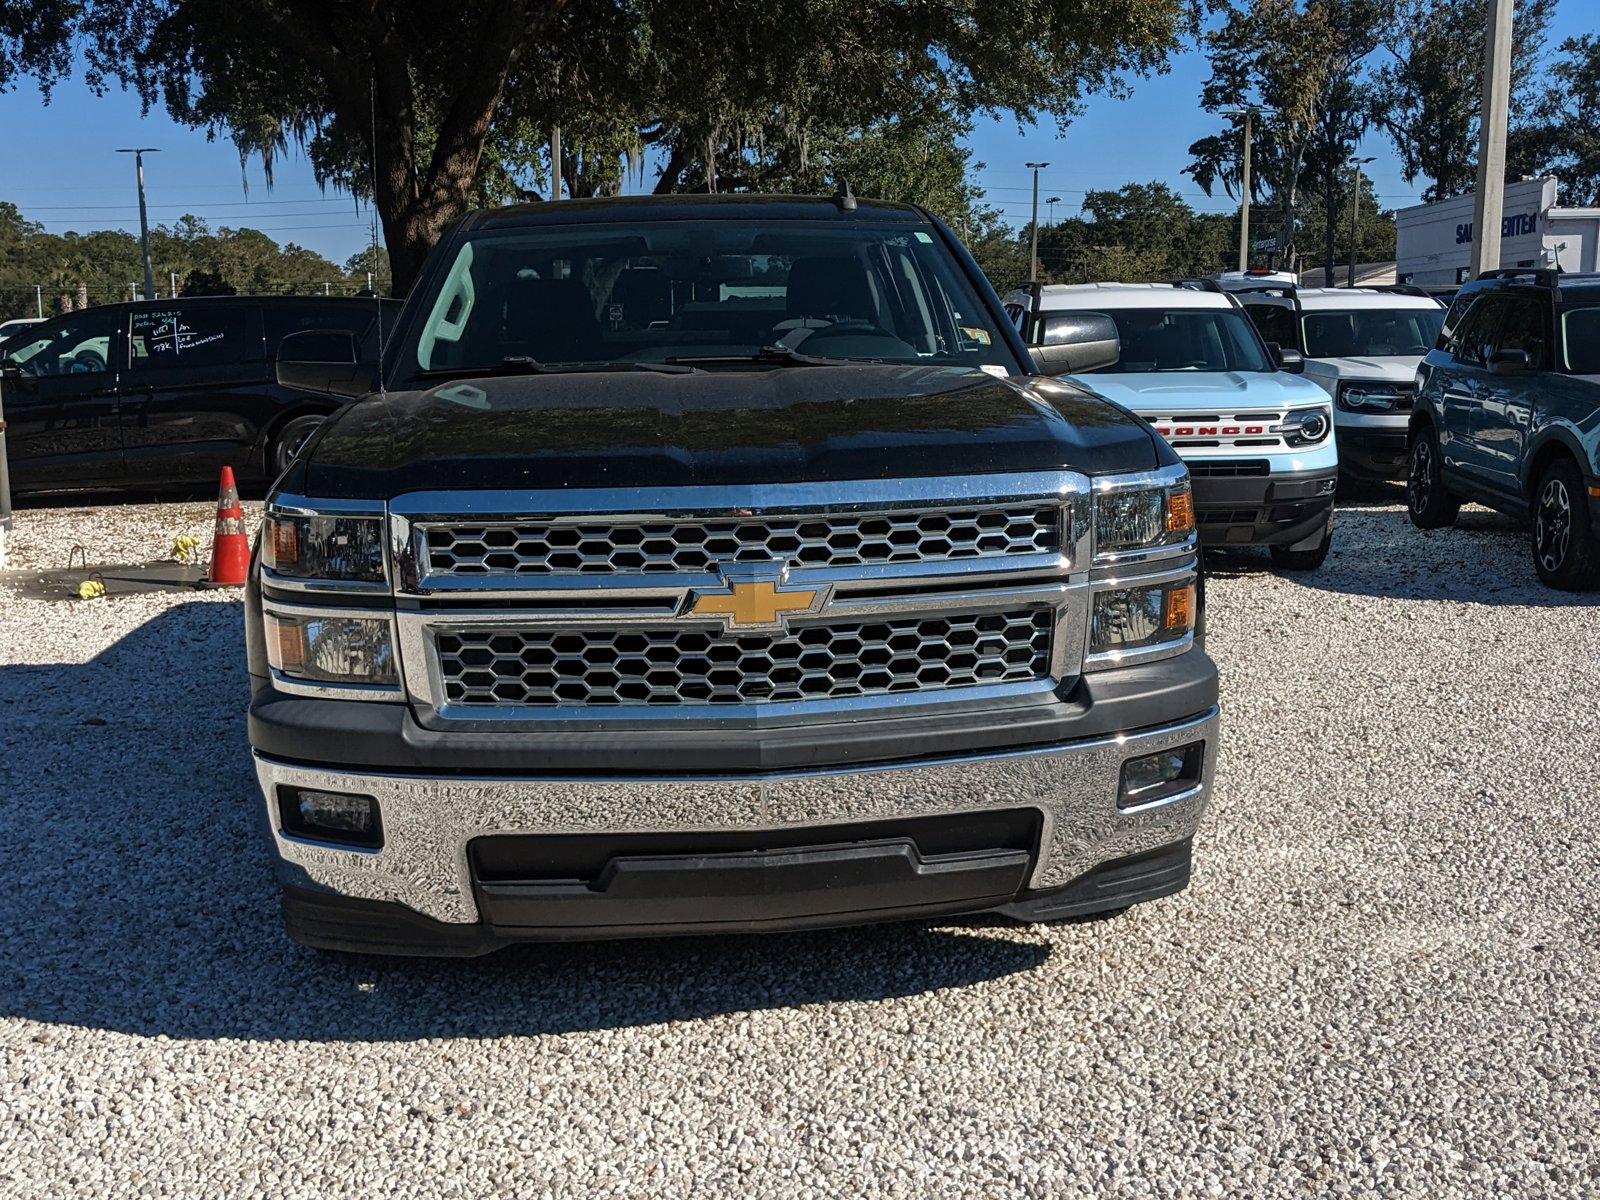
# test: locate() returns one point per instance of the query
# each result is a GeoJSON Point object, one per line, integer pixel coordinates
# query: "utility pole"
{"type": "Point", "coordinates": [172, 277]}
{"type": "Point", "coordinates": [1489, 208]}
{"type": "Point", "coordinates": [1033, 248]}
{"type": "Point", "coordinates": [555, 162]}
{"type": "Point", "coordinates": [38, 299]}
{"type": "Point", "coordinates": [1248, 112]}
{"type": "Point", "coordinates": [1355, 213]}
{"type": "Point", "coordinates": [138, 153]}
{"type": "Point", "coordinates": [1052, 202]}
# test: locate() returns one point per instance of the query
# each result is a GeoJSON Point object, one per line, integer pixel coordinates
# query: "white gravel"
{"type": "Point", "coordinates": [1383, 981]}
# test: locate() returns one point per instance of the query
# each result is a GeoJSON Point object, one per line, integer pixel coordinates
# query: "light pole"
{"type": "Point", "coordinates": [138, 153]}
{"type": "Point", "coordinates": [1033, 247]}
{"type": "Point", "coordinates": [1355, 213]}
{"type": "Point", "coordinates": [1489, 207]}
{"type": "Point", "coordinates": [1052, 202]}
{"type": "Point", "coordinates": [1248, 112]}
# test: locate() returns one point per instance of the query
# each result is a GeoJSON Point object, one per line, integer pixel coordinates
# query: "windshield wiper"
{"type": "Point", "coordinates": [523, 365]}
{"type": "Point", "coordinates": [781, 356]}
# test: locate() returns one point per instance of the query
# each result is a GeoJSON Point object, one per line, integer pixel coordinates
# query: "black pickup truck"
{"type": "Point", "coordinates": [719, 564]}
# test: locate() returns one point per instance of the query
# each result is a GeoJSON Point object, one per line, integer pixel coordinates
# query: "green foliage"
{"type": "Point", "coordinates": [1428, 94]}
{"type": "Point", "coordinates": [1297, 59]}
{"type": "Point", "coordinates": [98, 267]}
{"type": "Point", "coordinates": [431, 108]}
{"type": "Point", "coordinates": [1139, 233]}
{"type": "Point", "coordinates": [1563, 136]}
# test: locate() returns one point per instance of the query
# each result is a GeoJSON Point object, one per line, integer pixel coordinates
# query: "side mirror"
{"type": "Point", "coordinates": [1076, 342]}
{"type": "Point", "coordinates": [9, 369]}
{"type": "Point", "coordinates": [1510, 362]}
{"type": "Point", "coordinates": [325, 362]}
{"type": "Point", "coordinates": [1291, 361]}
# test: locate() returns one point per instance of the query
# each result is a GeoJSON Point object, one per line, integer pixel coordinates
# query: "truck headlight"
{"type": "Point", "coordinates": [323, 546]}
{"type": "Point", "coordinates": [1143, 518]}
{"type": "Point", "coordinates": [1133, 618]}
{"type": "Point", "coordinates": [1370, 397]}
{"type": "Point", "coordinates": [1305, 427]}
{"type": "Point", "coordinates": [336, 648]}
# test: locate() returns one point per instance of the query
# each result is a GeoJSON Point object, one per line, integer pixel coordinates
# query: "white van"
{"type": "Point", "coordinates": [1257, 438]}
{"type": "Point", "coordinates": [1362, 346]}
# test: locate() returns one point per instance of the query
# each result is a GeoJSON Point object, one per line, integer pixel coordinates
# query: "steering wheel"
{"type": "Point", "coordinates": [86, 362]}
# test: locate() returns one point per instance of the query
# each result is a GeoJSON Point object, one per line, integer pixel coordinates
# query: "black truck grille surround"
{"type": "Point", "coordinates": [607, 546]}
{"type": "Point", "coordinates": [634, 666]}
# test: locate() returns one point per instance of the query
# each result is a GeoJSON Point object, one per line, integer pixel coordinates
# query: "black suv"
{"type": "Point", "coordinates": [1508, 415]}
{"type": "Point", "coordinates": [166, 392]}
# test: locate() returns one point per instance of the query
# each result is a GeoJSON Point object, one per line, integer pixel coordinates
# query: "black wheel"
{"type": "Point", "coordinates": [290, 439]}
{"type": "Point", "coordinates": [1430, 506]}
{"type": "Point", "coordinates": [1285, 559]}
{"type": "Point", "coordinates": [1566, 545]}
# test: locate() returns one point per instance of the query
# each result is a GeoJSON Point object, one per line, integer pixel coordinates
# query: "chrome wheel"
{"type": "Point", "coordinates": [1552, 528]}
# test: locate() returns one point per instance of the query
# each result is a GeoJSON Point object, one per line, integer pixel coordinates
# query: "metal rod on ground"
{"type": "Point", "coordinates": [1489, 207]}
{"type": "Point", "coordinates": [1355, 213]}
{"type": "Point", "coordinates": [138, 153]}
{"type": "Point", "coordinates": [1033, 227]}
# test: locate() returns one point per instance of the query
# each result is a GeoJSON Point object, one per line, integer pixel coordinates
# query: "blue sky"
{"type": "Point", "coordinates": [58, 162]}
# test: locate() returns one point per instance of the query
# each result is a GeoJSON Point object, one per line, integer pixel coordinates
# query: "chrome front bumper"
{"type": "Point", "coordinates": [429, 821]}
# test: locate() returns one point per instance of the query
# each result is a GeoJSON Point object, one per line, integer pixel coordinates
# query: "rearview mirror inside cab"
{"type": "Point", "coordinates": [324, 361]}
{"type": "Point", "coordinates": [1075, 342]}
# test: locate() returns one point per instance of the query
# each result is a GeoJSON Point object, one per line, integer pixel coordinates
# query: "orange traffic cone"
{"type": "Point", "coordinates": [230, 545]}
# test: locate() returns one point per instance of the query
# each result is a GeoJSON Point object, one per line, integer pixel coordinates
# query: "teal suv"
{"type": "Point", "coordinates": [1508, 415]}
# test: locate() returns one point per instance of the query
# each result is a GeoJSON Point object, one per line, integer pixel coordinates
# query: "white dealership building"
{"type": "Point", "coordinates": [1433, 242]}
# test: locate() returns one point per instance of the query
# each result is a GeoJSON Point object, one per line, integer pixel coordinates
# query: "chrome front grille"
{"type": "Point", "coordinates": [620, 546]}
{"type": "Point", "coordinates": [825, 660]}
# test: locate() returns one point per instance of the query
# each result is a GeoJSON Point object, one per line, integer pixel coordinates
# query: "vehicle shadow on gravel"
{"type": "Point", "coordinates": [138, 895]}
{"type": "Point", "coordinates": [1483, 559]}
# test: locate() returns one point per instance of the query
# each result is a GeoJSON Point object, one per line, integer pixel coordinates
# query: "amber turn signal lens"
{"type": "Point", "coordinates": [1180, 512]}
{"type": "Point", "coordinates": [286, 645]}
{"type": "Point", "coordinates": [1180, 609]}
{"type": "Point", "coordinates": [285, 543]}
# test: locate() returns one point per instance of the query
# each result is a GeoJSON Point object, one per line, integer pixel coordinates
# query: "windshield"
{"type": "Point", "coordinates": [659, 291]}
{"type": "Point", "coordinates": [1185, 339]}
{"type": "Point", "coordinates": [1372, 332]}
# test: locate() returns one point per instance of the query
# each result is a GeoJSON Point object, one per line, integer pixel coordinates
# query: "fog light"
{"type": "Point", "coordinates": [330, 816]}
{"type": "Point", "coordinates": [1154, 778]}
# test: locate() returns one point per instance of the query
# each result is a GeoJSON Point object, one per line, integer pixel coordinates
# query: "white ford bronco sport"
{"type": "Point", "coordinates": [1362, 346]}
{"type": "Point", "coordinates": [1258, 440]}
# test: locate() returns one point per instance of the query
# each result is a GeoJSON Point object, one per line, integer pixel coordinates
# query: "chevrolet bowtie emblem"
{"type": "Point", "coordinates": [755, 603]}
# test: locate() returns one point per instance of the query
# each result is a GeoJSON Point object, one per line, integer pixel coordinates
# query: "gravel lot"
{"type": "Point", "coordinates": [1382, 982]}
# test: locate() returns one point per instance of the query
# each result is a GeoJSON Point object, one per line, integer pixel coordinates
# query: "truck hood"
{"type": "Point", "coordinates": [718, 427]}
{"type": "Point", "coordinates": [1154, 392]}
{"type": "Point", "coordinates": [1399, 368]}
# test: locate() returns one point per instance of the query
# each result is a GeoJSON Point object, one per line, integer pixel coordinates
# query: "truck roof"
{"type": "Point", "coordinates": [1071, 296]}
{"type": "Point", "coordinates": [731, 207]}
{"type": "Point", "coordinates": [1344, 299]}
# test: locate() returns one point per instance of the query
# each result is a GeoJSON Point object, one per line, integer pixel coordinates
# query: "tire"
{"type": "Point", "coordinates": [1285, 559]}
{"type": "Point", "coordinates": [1430, 506]}
{"type": "Point", "coordinates": [1565, 542]}
{"type": "Point", "coordinates": [287, 444]}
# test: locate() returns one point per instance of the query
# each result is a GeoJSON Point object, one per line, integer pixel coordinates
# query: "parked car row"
{"type": "Point", "coordinates": [1269, 392]}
